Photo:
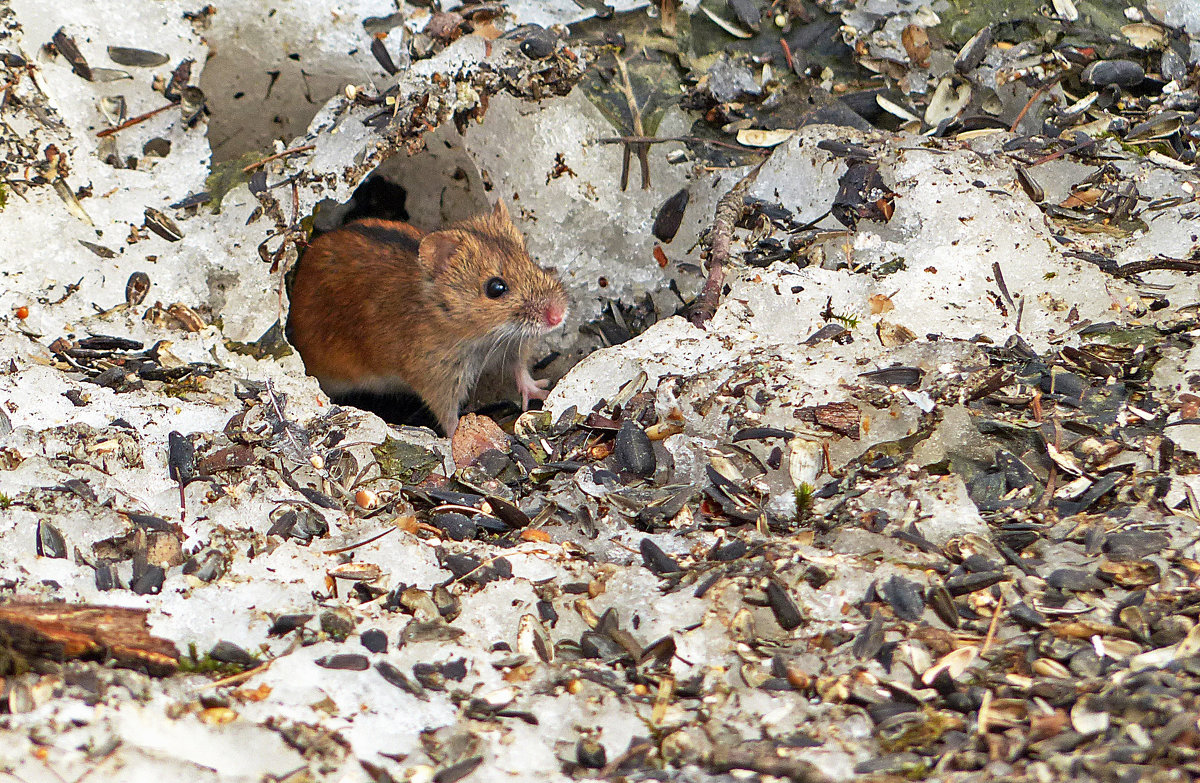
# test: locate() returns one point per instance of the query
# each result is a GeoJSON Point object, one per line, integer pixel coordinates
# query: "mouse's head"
{"type": "Point", "coordinates": [484, 280]}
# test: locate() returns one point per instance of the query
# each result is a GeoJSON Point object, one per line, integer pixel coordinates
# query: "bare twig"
{"type": "Point", "coordinates": [134, 120]}
{"type": "Point", "coordinates": [484, 564]}
{"type": "Point", "coordinates": [1161, 262]}
{"type": "Point", "coordinates": [288, 434]}
{"type": "Point", "coordinates": [787, 53]}
{"type": "Point", "coordinates": [641, 148]}
{"type": "Point", "coordinates": [1039, 92]}
{"type": "Point", "coordinates": [240, 676]}
{"type": "Point", "coordinates": [277, 156]}
{"type": "Point", "coordinates": [294, 439]}
{"type": "Point", "coordinates": [687, 139]}
{"type": "Point", "coordinates": [364, 542]}
{"type": "Point", "coordinates": [631, 753]}
{"type": "Point", "coordinates": [95, 764]}
{"type": "Point", "coordinates": [729, 211]}
{"type": "Point", "coordinates": [1062, 152]}
{"type": "Point", "coordinates": [766, 763]}
{"type": "Point", "coordinates": [991, 631]}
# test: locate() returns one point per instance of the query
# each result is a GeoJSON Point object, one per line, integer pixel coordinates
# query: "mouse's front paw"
{"type": "Point", "coordinates": [530, 388]}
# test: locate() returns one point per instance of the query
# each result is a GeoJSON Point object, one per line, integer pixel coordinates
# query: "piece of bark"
{"type": "Point", "coordinates": [61, 631]}
{"type": "Point", "coordinates": [841, 417]}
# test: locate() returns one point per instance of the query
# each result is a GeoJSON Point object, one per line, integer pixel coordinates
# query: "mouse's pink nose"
{"type": "Point", "coordinates": [554, 314]}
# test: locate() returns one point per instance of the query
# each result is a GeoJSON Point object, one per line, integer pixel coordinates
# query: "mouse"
{"type": "Point", "coordinates": [378, 306]}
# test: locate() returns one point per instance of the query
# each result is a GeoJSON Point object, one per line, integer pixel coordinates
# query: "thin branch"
{"type": "Point", "coordinates": [134, 120]}
{"type": "Point", "coordinates": [787, 53]}
{"type": "Point", "coordinates": [277, 156]}
{"type": "Point", "coordinates": [364, 542]}
{"type": "Point", "coordinates": [1062, 152]}
{"type": "Point", "coordinates": [285, 433]}
{"type": "Point", "coordinates": [1039, 92]}
{"type": "Point", "coordinates": [991, 631]}
{"type": "Point", "coordinates": [631, 753]}
{"type": "Point", "coordinates": [1150, 264]}
{"type": "Point", "coordinates": [302, 448]}
{"type": "Point", "coordinates": [642, 149]}
{"type": "Point", "coordinates": [728, 213]}
{"type": "Point", "coordinates": [686, 139]}
{"type": "Point", "coordinates": [240, 676]}
{"type": "Point", "coordinates": [796, 770]}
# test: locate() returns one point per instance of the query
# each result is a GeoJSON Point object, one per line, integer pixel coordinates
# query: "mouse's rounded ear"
{"type": "Point", "coordinates": [437, 250]}
{"type": "Point", "coordinates": [500, 211]}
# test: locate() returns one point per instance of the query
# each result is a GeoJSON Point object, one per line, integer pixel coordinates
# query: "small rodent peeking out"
{"type": "Point", "coordinates": [380, 307]}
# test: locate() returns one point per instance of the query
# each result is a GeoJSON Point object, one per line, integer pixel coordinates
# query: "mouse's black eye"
{"type": "Point", "coordinates": [495, 288]}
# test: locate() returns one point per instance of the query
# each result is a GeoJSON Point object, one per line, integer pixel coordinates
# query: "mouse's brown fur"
{"type": "Point", "coordinates": [379, 306]}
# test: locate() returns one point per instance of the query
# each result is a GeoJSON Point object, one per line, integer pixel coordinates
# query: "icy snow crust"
{"type": "Point", "coordinates": [958, 210]}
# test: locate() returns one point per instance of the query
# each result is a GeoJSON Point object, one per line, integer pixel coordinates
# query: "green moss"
{"type": "Point", "coordinates": [12, 663]}
{"type": "Point", "coordinates": [1022, 20]}
{"type": "Point", "coordinates": [847, 320]}
{"type": "Point", "coordinates": [228, 175]}
{"type": "Point", "coordinates": [405, 462]}
{"type": "Point", "coordinates": [272, 344]}
{"type": "Point", "coordinates": [804, 501]}
{"type": "Point", "coordinates": [194, 663]}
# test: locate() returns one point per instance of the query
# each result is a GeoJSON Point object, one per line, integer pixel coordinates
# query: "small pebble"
{"type": "Point", "coordinates": [1122, 73]}
{"type": "Point", "coordinates": [538, 44]}
{"type": "Point", "coordinates": [374, 640]}
{"type": "Point", "coordinates": [459, 527]}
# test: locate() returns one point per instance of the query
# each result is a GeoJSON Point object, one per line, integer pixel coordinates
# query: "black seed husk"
{"type": "Point", "coordinates": [590, 754]}
{"type": "Point", "coordinates": [633, 450]}
{"type": "Point", "coordinates": [670, 216]}
{"type": "Point", "coordinates": [181, 458]}
{"type": "Point", "coordinates": [374, 640]}
{"type": "Point", "coordinates": [459, 527]}
{"type": "Point", "coordinates": [287, 623]}
{"type": "Point", "coordinates": [869, 639]}
{"type": "Point", "coordinates": [50, 542]}
{"type": "Point", "coordinates": [657, 560]}
{"type": "Point", "coordinates": [787, 614]}
{"type": "Point", "coordinates": [904, 597]}
{"type": "Point", "coordinates": [346, 661]}
{"type": "Point", "coordinates": [136, 288]}
{"type": "Point", "coordinates": [943, 605]}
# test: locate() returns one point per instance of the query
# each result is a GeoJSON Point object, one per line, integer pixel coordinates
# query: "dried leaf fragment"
{"type": "Point", "coordinates": [880, 303]}
{"type": "Point", "coordinates": [916, 44]}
